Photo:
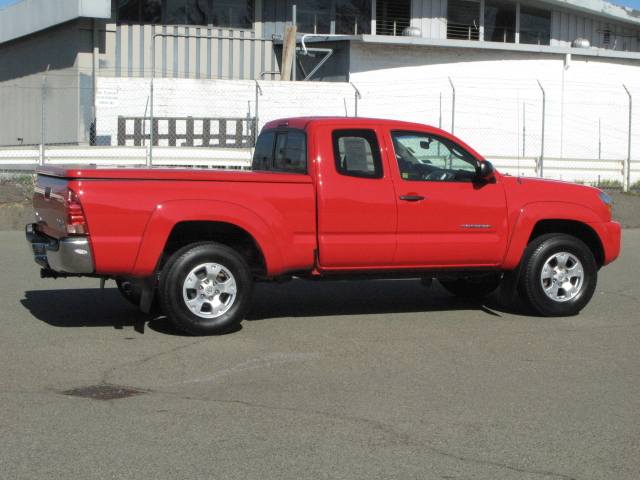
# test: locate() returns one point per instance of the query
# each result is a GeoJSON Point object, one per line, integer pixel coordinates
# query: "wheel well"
{"type": "Point", "coordinates": [185, 233]}
{"type": "Point", "coordinates": [575, 229]}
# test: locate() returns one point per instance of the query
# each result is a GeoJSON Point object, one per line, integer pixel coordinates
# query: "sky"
{"type": "Point", "coordinates": [625, 3]}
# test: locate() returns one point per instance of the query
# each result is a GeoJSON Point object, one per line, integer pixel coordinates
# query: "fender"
{"type": "Point", "coordinates": [166, 215]}
{"type": "Point", "coordinates": [532, 213]}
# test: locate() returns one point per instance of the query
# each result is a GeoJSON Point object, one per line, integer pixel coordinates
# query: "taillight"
{"type": "Point", "coordinates": [76, 221]}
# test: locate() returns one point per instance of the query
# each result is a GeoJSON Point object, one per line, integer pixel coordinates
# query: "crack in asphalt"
{"type": "Point", "coordinates": [396, 437]}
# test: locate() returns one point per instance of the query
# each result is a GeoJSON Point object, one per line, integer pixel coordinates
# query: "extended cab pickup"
{"type": "Point", "coordinates": [327, 198]}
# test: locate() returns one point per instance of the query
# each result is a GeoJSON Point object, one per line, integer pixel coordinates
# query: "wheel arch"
{"type": "Point", "coordinates": [192, 231]}
{"type": "Point", "coordinates": [569, 218]}
{"type": "Point", "coordinates": [574, 228]}
{"type": "Point", "coordinates": [174, 224]}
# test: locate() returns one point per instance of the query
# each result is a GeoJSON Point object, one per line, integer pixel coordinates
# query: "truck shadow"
{"type": "Point", "coordinates": [300, 298]}
{"type": "Point", "coordinates": [87, 307]}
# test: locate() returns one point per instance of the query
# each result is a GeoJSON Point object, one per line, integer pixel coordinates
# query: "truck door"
{"type": "Point", "coordinates": [446, 216]}
{"type": "Point", "coordinates": [357, 216]}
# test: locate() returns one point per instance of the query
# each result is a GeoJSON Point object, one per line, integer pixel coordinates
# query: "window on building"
{"type": "Point", "coordinates": [139, 11]}
{"type": "Point", "coordinates": [232, 14]}
{"type": "Point", "coordinates": [535, 26]}
{"type": "Point", "coordinates": [463, 20]}
{"type": "Point", "coordinates": [353, 17]}
{"type": "Point", "coordinates": [357, 154]}
{"type": "Point", "coordinates": [499, 21]}
{"type": "Point", "coordinates": [392, 16]}
{"type": "Point", "coordinates": [217, 13]}
{"type": "Point", "coordinates": [186, 12]}
{"type": "Point", "coordinates": [311, 16]}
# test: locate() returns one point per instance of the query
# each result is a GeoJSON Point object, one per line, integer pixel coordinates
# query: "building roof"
{"type": "Point", "coordinates": [30, 16]}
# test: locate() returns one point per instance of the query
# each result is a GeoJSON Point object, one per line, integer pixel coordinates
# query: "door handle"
{"type": "Point", "coordinates": [411, 198]}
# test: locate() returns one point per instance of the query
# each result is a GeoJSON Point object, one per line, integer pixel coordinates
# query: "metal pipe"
{"type": "Point", "coordinates": [358, 95]}
{"type": "Point", "coordinates": [453, 107]}
{"type": "Point", "coordinates": [627, 174]}
{"type": "Point", "coordinates": [255, 128]}
{"type": "Point", "coordinates": [544, 106]}
{"type": "Point", "coordinates": [151, 131]}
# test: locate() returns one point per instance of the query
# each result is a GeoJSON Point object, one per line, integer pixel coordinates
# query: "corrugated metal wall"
{"type": "Point", "coordinates": [239, 56]}
{"type": "Point", "coordinates": [566, 27]}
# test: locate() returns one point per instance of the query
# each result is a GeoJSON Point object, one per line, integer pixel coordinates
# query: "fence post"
{"type": "Point", "coordinates": [255, 129]}
{"type": "Point", "coordinates": [544, 107]}
{"type": "Point", "coordinates": [44, 116]}
{"type": "Point", "coordinates": [453, 107]}
{"type": "Point", "coordinates": [151, 129]}
{"type": "Point", "coordinates": [357, 95]}
{"type": "Point", "coordinates": [626, 181]}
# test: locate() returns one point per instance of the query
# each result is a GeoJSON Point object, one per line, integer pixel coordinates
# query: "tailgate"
{"type": "Point", "coordinates": [49, 202]}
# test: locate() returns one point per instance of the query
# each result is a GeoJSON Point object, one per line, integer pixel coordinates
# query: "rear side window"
{"type": "Point", "coordinates": [281, 152]}
{"type": "Point", "coordinates": [357, 154]}
{"type": "Point", "coordinates": [263, 154]}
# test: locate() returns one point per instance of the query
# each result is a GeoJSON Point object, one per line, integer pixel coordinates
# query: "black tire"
{"type": "Point", "coordinates": [472, 287]}
{"type": "Point", "coordinates": [559, 275]}
{"type": "Point", "coordinates": [206, 289]}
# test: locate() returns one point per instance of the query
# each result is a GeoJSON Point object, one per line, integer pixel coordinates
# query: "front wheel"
{"type": "Point", "coordinates": [206, 289]}
{"type": "Point", "coordinates": [559, 275]}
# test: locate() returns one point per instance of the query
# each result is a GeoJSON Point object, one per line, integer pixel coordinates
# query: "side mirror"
{"type": "Point", "coordinates": [486, 171]}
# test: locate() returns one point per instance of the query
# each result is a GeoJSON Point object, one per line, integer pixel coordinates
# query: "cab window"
{"type": "Point", "coordinates": [423, 157]}
{"type": "Point", "coordinates": [281, 152]}
{"type": "Point", "coordinates": [356, 153]}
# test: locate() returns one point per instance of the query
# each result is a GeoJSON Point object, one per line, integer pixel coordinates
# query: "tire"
{"type": "Point", "coordinates": [206, 289]}
{"type": "Point", "coordinates": [472, 287]}
{"type": "Point", "coordinates": [559, 275]}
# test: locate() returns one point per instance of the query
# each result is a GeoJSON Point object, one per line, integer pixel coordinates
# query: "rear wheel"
{"type": "Point", "coordinates": [559, 275]}
{"type": "Point", "coordinates": [472, 287]}
{"type": "Point", "coordinates": [206, 289]}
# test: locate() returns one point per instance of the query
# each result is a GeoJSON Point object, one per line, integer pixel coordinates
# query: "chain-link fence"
{"type": "Point", "coordinates": [576, 132]}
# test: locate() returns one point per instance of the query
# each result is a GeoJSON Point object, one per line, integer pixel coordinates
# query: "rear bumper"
{"type": "Point", "coordinates": [64, 255]}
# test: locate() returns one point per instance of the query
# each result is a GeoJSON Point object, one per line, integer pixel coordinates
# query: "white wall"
{"type": "Point", "coordinates": [498, 101]}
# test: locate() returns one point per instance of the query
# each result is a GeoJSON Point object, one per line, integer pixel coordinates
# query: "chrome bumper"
{"type": "Point", "coordinates": [64, 255]}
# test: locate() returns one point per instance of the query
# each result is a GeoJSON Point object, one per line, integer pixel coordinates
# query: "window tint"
{"type": "Point", "coordinates": [429, 158]}
{"type": "Point", "coordinates": [357, 154]}
{"type": "Point", "coordinates": [263, 154]}
{"type": "Point", "coordinates": [281, 151]}
{"type": "Point", "coordinates": [291, 153]}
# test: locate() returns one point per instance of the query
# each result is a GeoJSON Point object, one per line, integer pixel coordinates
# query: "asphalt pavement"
{"type": "Point", "coordinates": [339, 380]}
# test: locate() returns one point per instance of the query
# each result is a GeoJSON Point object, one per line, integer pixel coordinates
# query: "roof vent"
{"type": "Point", "coordinates": [412, 32]}
{"type": "Point", "coordinates": [581, 43]}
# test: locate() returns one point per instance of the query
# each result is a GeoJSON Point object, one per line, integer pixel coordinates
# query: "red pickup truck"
{"type": "Point", "coordinates": [328, 198]}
